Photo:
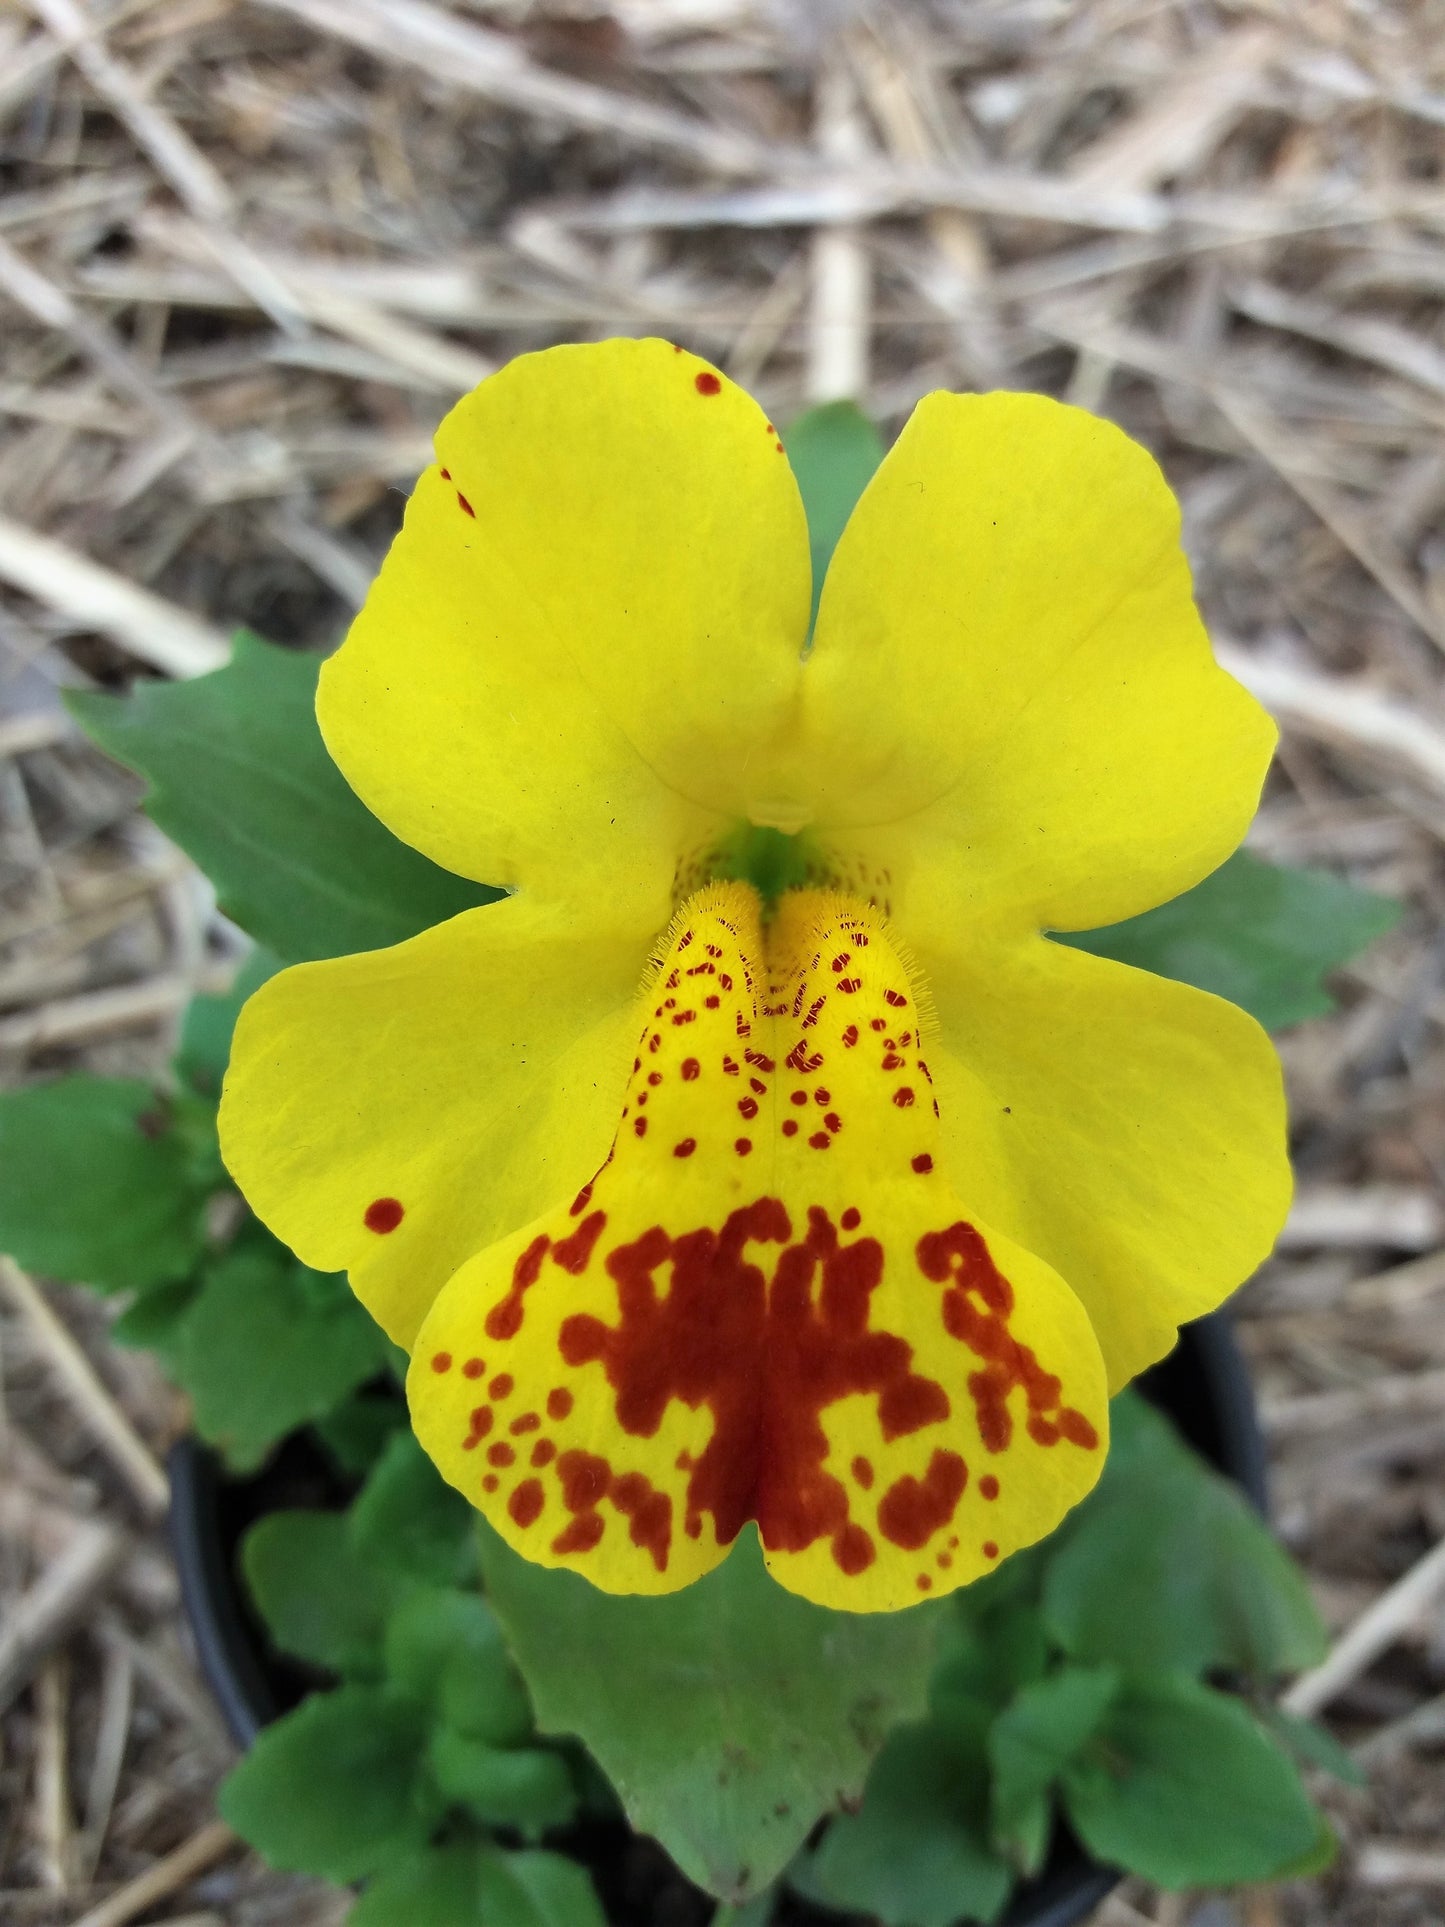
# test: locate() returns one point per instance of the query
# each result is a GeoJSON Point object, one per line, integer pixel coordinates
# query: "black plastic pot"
{"type": "Point", "coordinates": [1202, 1386]}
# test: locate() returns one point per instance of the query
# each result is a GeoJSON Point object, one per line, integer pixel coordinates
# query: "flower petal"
{"type": "Point", "coordinates": [1128, 1129]}
{"type": "Point", "coordinates": [768, 1304]}
{"type": "Point", "coordinates": [1011, 695]}
{"type": "Point", "coordinates": [392, 1113]}
{"type": "Point", "coordinates": [596, 607]}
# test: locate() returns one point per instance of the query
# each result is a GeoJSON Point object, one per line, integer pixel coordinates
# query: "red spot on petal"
{"type": "Point", "coordinates": [481, 1424]}
{"type": "Point", "coordinates": [465, 506]}
{"type": "Point", "coordinates": [574, 1254]}
{"type": "Point", "coordinates": [474, 1368]}
{"type": "Point", "coordinates": [912, 1510]}
{"type": "Point", "coordinates": [742, 1146]}
{"type": "Point", "coordinates": [559, 1402]}
{"type": "Point", "coordinates": [853, 1550]}
{"type": "Point", "coordinates": [790, 1127]}
{"type": "Point", "coordinates": [685, 1149]}
{"type": "Point", "coordinates": [990, 1550]}
{"type": "Point", "coordinates": [504, 1320]}
{"type": "Point", "coordinates": [500, 1454]}
{"type": "Point", "coordinates": [441, 1362]}
{"type": "Point", "coordinates": [639, 1127]}
{"type": "Point", "coordinates": [584, 1196]}
{"type": "Point", "coordinates": [581, 1535]}
{"type": "Point", "coordinates": [924, 1583]}
{"type": "Point", "coordinates": [501, 1386]}
{"type": "Point", "coordinates": [691, 1070]}
{"type": "Point", "coordinates": [384, 1214]}
{"type": "Point", "coordinates": [528, 1422]}
{"type": "Point", "coordinates": [525, 1504]}
{"type": "Point", "coordinates": [543, 1452]}
{"type": "Point", "coordinates": [706, 383]}
{"type": "Point", "coordinates": [489, 1483]}
{"type": "Point", "coordinates": [923, 1164]}
{"type": "Point", "coordinates": [988, 1486]}
{"type": "Point", "coordinates": [903, 1097]}
{"type": "Point", "coordinates": [820, 1141]}
{"type": "Point", "coordinates": [446, 475]}
{"type": "Point", "coordinates": [863, 1473]}
{"type": "Point", "coordinates": [850, 1036]}
{"type": "Point", "coordinates": [896, 998]}
{"type": "Point", "coordinates": [851, 1218]}
{"type": "Point", "coordinates": [748, 1107]}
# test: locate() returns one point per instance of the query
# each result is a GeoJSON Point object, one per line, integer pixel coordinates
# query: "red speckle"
{"type": "Point", "coordinates": [481, 1424]}
{"type": "Point", "coordinates": [990, 1550]}
{"type": "Point", "coordinates": [489, 1483]}
{"type": "Point", "coordinates": [706, 383]}
{"type": "Point", "coordinates": [581, 1536]}
{"type": "Point", "coordinates": [525, 1504]}
{"type": "Point", "coordinates": [543, 1452]}
{"type": "Point", "coordinates": [639, 1127]}
{"type": "Point", "coordinates": [654, 1078]}
{"type": "Point", "coordinates": [584, 1196]}
{"type": "Point", "coordinates": [923, 1164]}
{"type": "Point", "coordinates": [976, 1310]}
{"type": "Point", "coordinates": [851, 1218]}
{"type": "Point", "coordinates": [685, 1149]}
{"type": "Point", "coordinates": [896, 998]}
{"type": "Point", "coordinates": [446, 475]}
{"type": "Point", "coordinates": [850, 1036]}
{"type": "Point", "coordinates": [501, 1386]}
{"type": "Point", "coordinates": [833, 1122]}
{"type": "Point", "coordinates": [691, 1070]}
{"type": "Point", "coordinates": [748, 1107]}
{"type": "Point", "coordinates": [903, 1097]}
{"type": "Point", "coordinates": [854, 1550]}
{"type": "Point", "coordinates": [988, 1486]}
{"type": "Point", "coordinates": [924, 1583]}
{"type": "Point", "coordinates": [504, 1320]}
{"type": "Point", "coordinates": [441, 1362]}
{"type": "Point", "coordinates": [757, 1084]}
{"type": "Point", "coordinates": [877, 1023]}
{"type": "Point", "coordinates": [820, 1096]}
{"type": "Point", "coordinates": [528, 1422]}
{"type": "Point", "coordinates": [912, 1510]}
{"type": "Point", "coordinates": [742, 1146]}
{"type": "Point", "coordinates": [790, 1127]}
{"type": "Point", "coordinates": [500, 1454]}
{"type": "Point", "coordinates": [863, 1473]}
{"type": "Point", "coordinates": [945, 1561]}
{"type": "Point", "coordinates": [712, 1002]}
{"type": "Point", "coordinates": [473, 1368]}
{"type": "Point", "coordinates": [798, 1097]}
{"type": "Point", "coordinates": [767, 1355]}
{"type": "Point", "coordinates": [574, 1254]}
{"type": "Point", "coordinates": [465, 506]}
{"type": "Point", "coordinates": [384, 1214]}
{"type": "Point", "coordinates": [850, 984]}
{"type": "Point", "coordinates": [559, 1402]}
{"type": "Point", "coordinates": [820, 1141]}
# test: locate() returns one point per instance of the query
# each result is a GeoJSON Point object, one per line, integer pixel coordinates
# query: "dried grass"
{"type": "Point", "coordinates": [249, 249]}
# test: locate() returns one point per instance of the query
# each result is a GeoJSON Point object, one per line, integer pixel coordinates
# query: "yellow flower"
{"type": "Point", "coordinates": [843, 1236]}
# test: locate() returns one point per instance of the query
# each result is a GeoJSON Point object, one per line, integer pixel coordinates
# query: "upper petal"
{"type": "Point", "coordinates": [1012, 704]}
{"type": "Point", "coordinates": [599, 593]}
{"type": "Point", "coordinates": [1128, 1129]}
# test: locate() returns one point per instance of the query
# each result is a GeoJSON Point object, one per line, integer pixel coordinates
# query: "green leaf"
{"type": "Point", "coordinates": [1313, 1745]}
{"type": "Point", "coordinates": [408, 1518]}
{"type": "Point", "coordinates": [155, 1322]}
{"type": "Point", "coordinates": [268, 1345]}
{"type": "Point", "coordinates": [319, 1600]}
{"type": "Point", "coordinates": [446, 1649]}
{"type": "Point", "coordinates": [729, 1715]}
{"type": "Point", "coordinates": [526, 1787]}
{"type": "Point", "coordinates": [469, 1885]}
{"type": "Point", "coordinates": [1261, 935]}
{"type": "Point", "coordinates": [332, 1789]}
{"type": "Point", "coordinates": [97, 1185]}
{"type": "Point", "coordinates": [1167, 1566]}
{"type": "Point", "coordinates": [356, 1433]}
{"type": "Point", "coordinates": [1029, 1745]}
{"type": "Point", "coordinates": [206, 1030]}
{"type": "Point", "coordinates": [240, 778]}
{"type": "Point", "coordinates": [916, 1854]}
{"type": "Point", "coordinates": [834, 451]}
{"type": "Point", "coordinates": [1182, 1786]}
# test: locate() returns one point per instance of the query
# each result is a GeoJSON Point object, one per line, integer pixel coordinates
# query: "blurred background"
{"type": "Point", "coordinates": [250, 250]}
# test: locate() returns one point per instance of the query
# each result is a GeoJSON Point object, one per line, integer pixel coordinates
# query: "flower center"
{"type": "Point", "coordinates": [766, 1305]}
